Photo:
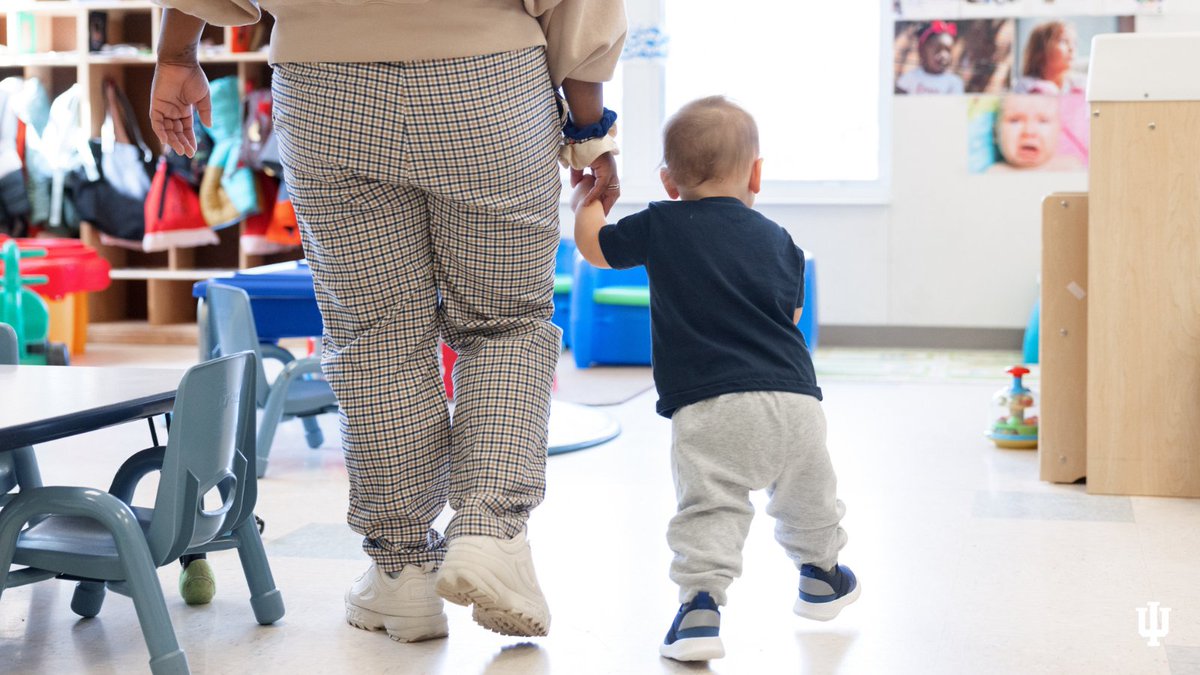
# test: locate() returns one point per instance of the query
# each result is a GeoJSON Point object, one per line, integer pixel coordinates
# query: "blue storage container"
{"type": "Point", "coordinates": [281, 299]}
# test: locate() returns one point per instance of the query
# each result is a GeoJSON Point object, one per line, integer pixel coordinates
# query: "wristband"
{"type": "Point", "coordinates": [599, 129]}
{"type": "Point", "coordinates": [580, 155]}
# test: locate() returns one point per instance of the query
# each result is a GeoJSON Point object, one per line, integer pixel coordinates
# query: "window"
{"type": "Point", "coordinates": [812, 73]}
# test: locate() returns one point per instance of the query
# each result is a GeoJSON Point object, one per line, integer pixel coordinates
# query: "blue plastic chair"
{"type": "Point", "coordinates": [809, 319]}
{"type": "Point", "coordinates": [291, 394]}
{"type": "Point", "coordinates": [610, 314]}
{"type": "Point", "coordinates": [103, 541]}
{"type": "Point", "coordinates": [18, 468]}
{"type": "Point", "coordinates": [564, 281]}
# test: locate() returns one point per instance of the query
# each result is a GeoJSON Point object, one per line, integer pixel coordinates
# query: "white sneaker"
{"type": "Point", "coordinates": [407, 606]}
{"type": "Point", "coordinates": [495, 575]}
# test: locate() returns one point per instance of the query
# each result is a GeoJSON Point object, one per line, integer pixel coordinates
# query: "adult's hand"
{"type": "Point", "coordinates": [179, 89]}
{"type": "Point", "coordinates": [180, 86]}
{"type": "Point", "coordinates": [607, 185]}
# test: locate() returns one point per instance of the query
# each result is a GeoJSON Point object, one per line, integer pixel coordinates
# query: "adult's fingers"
{"type": "Point", "coordinates": [576, 176]}
{"type": "Point", "coordinates": [204, 107]}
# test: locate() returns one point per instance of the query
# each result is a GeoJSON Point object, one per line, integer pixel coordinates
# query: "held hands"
{"type": "Point", "coordinates": [583, 190]}
{"type": "Point", "coordinates": [602, 183]}
{"type": "Point", "coordinates": [178, 89]}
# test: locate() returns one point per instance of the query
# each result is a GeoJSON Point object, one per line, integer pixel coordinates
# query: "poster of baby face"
{"type": "Point", "coordinates": [1027, 132]}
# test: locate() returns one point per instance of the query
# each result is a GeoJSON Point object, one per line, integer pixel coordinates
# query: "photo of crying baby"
{"type": "Point", "coordinates": [1021, 132]}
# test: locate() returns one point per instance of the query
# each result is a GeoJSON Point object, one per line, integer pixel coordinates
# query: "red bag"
{"type": "Point", "coordinates": [173, 216]}
{"type": "Point", "coordinates": [284, 230]}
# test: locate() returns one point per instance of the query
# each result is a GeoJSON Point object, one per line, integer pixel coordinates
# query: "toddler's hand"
{"type": "Point", "coordinates": [582, 188]}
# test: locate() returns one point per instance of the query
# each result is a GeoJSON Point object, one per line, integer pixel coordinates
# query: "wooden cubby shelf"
{"type": "Point", "coordinates": [148, 290]}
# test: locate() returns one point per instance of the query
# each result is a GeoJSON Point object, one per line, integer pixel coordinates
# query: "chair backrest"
{"type": "Point", "coordinates": [233, 325]}
{"type": "Point", "coordinates": [211, 447]}
{"type": "Point", "coordinates": [8, 357]}
{"type": "Point", "coordinates": [634, 276]}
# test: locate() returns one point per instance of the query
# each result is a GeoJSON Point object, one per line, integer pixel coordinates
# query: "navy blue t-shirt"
{"type": "Point", "coordinates": [724, 285]}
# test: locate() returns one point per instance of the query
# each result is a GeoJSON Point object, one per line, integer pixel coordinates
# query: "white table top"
{"type": "Point", "coordinates": [43, 403]}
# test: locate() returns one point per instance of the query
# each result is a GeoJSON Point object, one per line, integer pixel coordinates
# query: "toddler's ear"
{"type": "Point", "coordinates": [756, 176]}
{"type": "Point", "coordinates": [668, 184]}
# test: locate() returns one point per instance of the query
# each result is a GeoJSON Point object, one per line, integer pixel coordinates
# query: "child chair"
{"type": "Point", "coordinates": [291, 394]}
{"type": "Point", "coordinates": [18, 468]}
{"type": "Point", "coordinates": [564, 278]}
{"type": "Point", "coordinates": [103, 541]}
{"type": "Point", "coordinates": [809, 325]}
{"type": "Point", "coordinates": [610, 316]}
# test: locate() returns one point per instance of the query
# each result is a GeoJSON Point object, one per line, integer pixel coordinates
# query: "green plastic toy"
{"type": "Point", "coordinates": [26, 311]}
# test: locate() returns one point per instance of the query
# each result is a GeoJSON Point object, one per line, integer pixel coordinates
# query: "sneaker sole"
{"type": "Point", "coordinates": [693, 649]}
{"type": "Point", "coordinates": [826, 611]}
{"type": "Point", "coordinates": [497, 607]}
{"type": "Point", "coordinates": [399, 628]}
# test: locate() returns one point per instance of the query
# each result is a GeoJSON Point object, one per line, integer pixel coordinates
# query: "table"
{"type": "Point", "coordinates": [284, 305]}
{"type": "Point", "coordinates": [45, 403]}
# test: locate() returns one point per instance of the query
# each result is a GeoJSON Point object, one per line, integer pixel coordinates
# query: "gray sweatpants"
{"type": "Point", "coordinates": [727, 446]}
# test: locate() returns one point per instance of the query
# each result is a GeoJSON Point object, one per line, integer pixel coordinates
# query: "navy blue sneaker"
{"type": "Point", "coordinates": [824, 594]}
{"type": "Point", "coordinates": [695, 633]}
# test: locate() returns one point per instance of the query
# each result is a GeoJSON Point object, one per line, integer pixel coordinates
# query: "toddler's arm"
{"type": "Point", "coordinates": [589, 218]}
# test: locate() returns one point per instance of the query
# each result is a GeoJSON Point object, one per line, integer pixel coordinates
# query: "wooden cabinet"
{"type": "Point", "coordinates": [1062, 445]}
{"type": "Point", "coordinates": [1144, 318]}
{"type": "Point", "coordinates": [1140, 306]}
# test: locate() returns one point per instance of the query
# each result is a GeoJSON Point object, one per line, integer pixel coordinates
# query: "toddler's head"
{"type": "Point", "coordinates": [936, 45]}
{"type": "Point", "coordinates": [710, 148]}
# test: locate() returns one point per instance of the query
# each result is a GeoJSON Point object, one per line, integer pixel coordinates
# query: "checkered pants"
{"type": "Point", "coordinates": [427, 194]}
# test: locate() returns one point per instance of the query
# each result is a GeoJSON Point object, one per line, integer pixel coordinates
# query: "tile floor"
{"type": "Point", "coordinates": [969, 564]}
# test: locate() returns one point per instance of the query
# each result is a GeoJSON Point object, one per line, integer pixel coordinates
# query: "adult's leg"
{"type": "Point", "coordinates": [484, 140]}
{"type": "Point", "coordinates": [366, 235]}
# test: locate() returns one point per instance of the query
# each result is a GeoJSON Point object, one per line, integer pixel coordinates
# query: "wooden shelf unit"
{"type": "Point", "coordinates": [149, 289]}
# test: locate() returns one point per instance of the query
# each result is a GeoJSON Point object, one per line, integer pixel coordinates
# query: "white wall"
{"type": "Point", "coordinates": [951, 249]}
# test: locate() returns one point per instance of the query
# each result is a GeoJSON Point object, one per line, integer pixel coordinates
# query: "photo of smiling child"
{"type": "Point", "coordinates": [953, 57]}
{"type": "Point", "coordinates": [935, 48]}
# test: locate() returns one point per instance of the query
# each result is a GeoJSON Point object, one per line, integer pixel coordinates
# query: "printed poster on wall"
{"type": "Point", "coordinates": [1027, 132]}
{"type": "Point", "coordinates": [954, 57]}
{"type": "Point", "coordinates": [979, 9]}
{"type": "Point", "coordinates": [1043, 124]}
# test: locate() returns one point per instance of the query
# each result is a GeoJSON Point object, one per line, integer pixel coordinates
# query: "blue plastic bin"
{"type": "Point", "coordinates": [281, 299]}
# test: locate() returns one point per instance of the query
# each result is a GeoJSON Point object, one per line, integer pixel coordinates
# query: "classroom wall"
{"type": "Point", "coordinates": [950, 249]}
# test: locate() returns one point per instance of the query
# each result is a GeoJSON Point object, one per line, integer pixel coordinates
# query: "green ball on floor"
{"type": "Point", "coordinates": [197, 584]}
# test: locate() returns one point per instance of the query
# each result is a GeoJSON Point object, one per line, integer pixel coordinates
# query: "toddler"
{"type": "Point", "coordinates": [732, 370]}
{"type": "Point", "coordinates": [934, 47]}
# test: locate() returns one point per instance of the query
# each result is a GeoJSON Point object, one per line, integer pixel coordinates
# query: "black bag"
{"type": "Point", "coordinates": [115, 203]}
{"type": "Point", "coordinates": [110, 210]}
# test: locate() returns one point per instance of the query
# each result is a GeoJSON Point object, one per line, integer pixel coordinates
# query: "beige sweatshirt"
{"type": "Point", "coordinates": [583, 38]}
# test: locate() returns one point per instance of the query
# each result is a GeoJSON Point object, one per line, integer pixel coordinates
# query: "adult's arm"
{"type": "Point", "coordinates": [217, 12]}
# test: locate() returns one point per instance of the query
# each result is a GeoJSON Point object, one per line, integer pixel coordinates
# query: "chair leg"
{"type": "Point", "coordinates": [265, 599]}
{"type": "Point", "coordinates": [88, 598]}
{"type": "Point", "coordinates": [166, 657]}
{"type": "Point", "coordinates": [266, 435]}
{"type": "Point", "coordinates": [312, 432]}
